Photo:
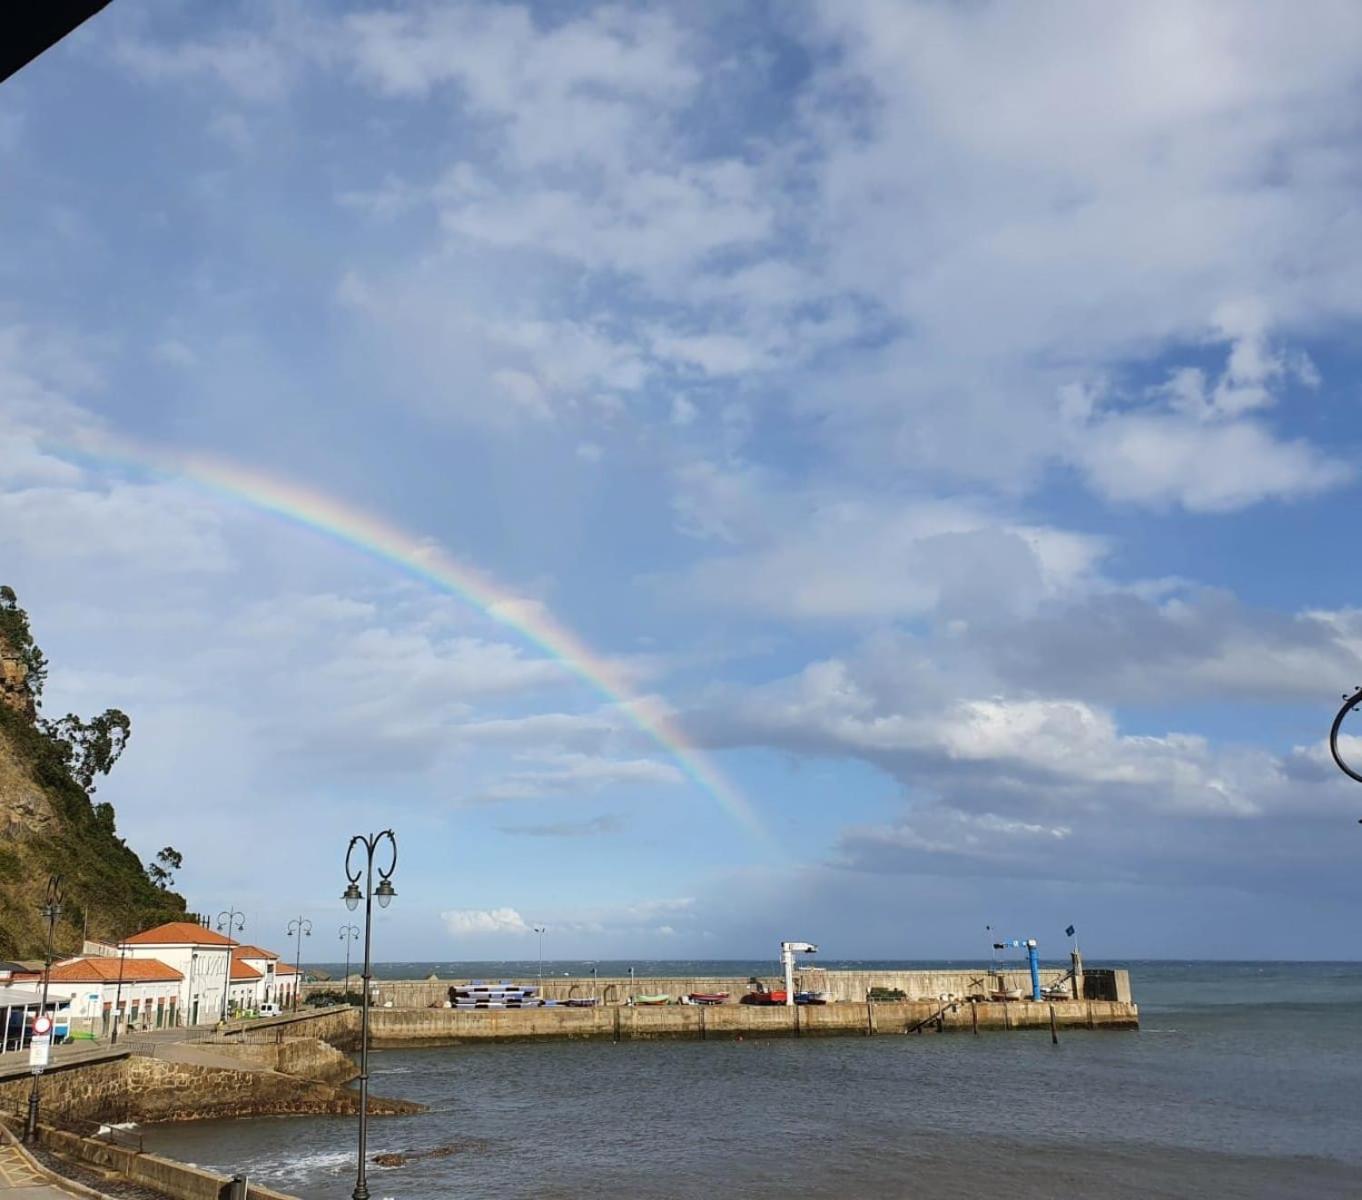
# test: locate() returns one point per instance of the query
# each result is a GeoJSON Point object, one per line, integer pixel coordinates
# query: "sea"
{"type": "Point", "coordinates": [1244, 1081]}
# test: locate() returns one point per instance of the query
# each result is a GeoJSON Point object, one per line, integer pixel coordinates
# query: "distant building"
{"type": "Point", "coordinates": [202, 957]}
{"type": "Point", "coordinates": [265, 962]}
{"type": "Point", "coordinates": [146, 991]}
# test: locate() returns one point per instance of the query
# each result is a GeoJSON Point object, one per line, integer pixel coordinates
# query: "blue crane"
{"type": "Point", "coordinates": [1032, 959]}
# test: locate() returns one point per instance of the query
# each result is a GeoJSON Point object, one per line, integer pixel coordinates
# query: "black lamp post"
{"type": "Point", "coordinates": [229, 922]}
{"type": "Point", "coordinates": [51, 910]}
{"type": "Point", "coordinates": [348, 933]}
{"type": "Point", "coordinates": [298, 926]}
{"type": "Point", "coordinates": [118, 995]}
{"type": "Point", "coordinates": [352, 896]}
{"type": "Point", "coordinates": [1350, 704]}
{"type": "Point", "coordinates": [539, 930]}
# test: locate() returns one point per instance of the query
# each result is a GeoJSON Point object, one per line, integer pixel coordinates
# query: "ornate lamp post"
{"type": "Point", "coordinates": [348, 933]}
{"type": "Point", "coordinates": [384, 894]}
{"type": "Point", "coordinates": [1350, 704]}
{"type": "Point", "coordinates": [51, 910]}
{"type": "Point", "coordinates": [539, 929]}
{"type": "Point", "coordinates": [297, 928]}
{"type": "Point", "coordinates": [118, 995]}
{"type": "Point", "coordinates": [229, 922]}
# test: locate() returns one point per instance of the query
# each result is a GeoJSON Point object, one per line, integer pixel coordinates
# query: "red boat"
{"type": "Point", "coordinates": [764, 997]}
{"type": "Point", "coordinates": [707, 997]}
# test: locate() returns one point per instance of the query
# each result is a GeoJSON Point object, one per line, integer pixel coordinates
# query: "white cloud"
{"type": "Point", "coordinates": [475, 922]}
{"type": "Point", "coordinates": [569, 772]}
{"type": "Point", "coordinates": [856, 557]}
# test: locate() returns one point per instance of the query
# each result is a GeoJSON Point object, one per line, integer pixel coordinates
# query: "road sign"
{"type": "Point", "coordinates": [38, 1050]}
{"type": "Point", "coordinates": [42, 1024]}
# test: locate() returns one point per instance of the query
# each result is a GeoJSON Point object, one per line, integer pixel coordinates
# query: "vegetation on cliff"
{"type": "Point", "coordinates": [49, 823]}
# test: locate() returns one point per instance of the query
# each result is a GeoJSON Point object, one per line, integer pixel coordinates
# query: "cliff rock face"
{"type": "Point", "coordinates": [48, 825]}
{"type": "Point", "coordinates": [14, 693]}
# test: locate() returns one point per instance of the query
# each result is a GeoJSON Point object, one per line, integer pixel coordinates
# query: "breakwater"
{"type": "Point", "coordinates": [392, 1028]}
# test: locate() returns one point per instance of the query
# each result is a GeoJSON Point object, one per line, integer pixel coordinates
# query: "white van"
{"type": "Point", "coordinates": [270, 1009]}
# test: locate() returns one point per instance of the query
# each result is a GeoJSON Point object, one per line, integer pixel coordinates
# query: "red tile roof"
{"type": "Point", "coordinates": [102, 970]}
{"type": "Point", "coordinates": [178, 933]}
{"type": "Point", "coordinates": [241, 970]}
{"type": "Point", "coordinates": [253, 952]}
{"type": "Point", "coordinates": [284, 968]}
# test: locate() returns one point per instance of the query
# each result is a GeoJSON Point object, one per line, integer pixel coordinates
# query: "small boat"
{"type": "Point", "coordinates": [582, 1002]}
{"type": "Point", "coordinates": [661, 998]}
{"type": "Point", "coordinates": [811, 997]}
{"type": "Point", "coordinates": [707, 997]}
{"type": "Point", "coordinates": [764, 998]}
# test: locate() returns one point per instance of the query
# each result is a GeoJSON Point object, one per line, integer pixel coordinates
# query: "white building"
{"type": "Point", "coordinates": [138, 993]}
{"type": "Point", "coordinates": [202, 957]}
{"type": "Point", "coordinates": [265, 963]}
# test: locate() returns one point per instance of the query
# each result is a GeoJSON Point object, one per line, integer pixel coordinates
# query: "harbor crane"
{"type": "Point", "coordinates": [1032, 959]}
{"type": "Point", "coordinates": [788, 950]}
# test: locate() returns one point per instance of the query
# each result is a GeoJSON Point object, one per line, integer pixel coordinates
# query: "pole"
{"type": "Point", "coordinates": [352, 897]}
{"type": "Point", "coordinates": [298, 926]}
{"type": "Point", "coordinates": [229, 917]}
{"type": "Point", "coordinates": [52, 910]}
{"type": "Point", "coordinates": [348, 934]}
{"type": "Point", "coordinates": [539, 929]}
{"type": "Point", "coordinates": [118, 996]}
{"type": "Point", "coordinates": [362, 1184]}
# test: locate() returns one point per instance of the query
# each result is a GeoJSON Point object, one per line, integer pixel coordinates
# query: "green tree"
{"type": "Point", "coordinates": [162, 871]}
{"type": "Point", "coordinates": [90, 748]}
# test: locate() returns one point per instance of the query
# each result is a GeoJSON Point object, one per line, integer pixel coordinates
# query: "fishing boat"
{"type": "Point", "coordinates": [660, 998]}
{"type": "Point", "coordinates": [707, 997]}
{"type": "Point", "coordinates": [581, 1002]}
{"type": "Point", "coordinates": [811, 997]}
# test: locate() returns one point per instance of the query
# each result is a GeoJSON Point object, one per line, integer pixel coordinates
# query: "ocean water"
{"type": "Point", "coordinates": [1244, 1081]}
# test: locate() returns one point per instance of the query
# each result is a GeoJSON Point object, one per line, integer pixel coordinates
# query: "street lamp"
{"type": "Point", "coordinates": [539, 929]}
{"type": "Point", "coordinates": [348, 933]}
{"type": "Point", "coordinates": [298, 926]}
{"type": "Point", "coordinates": [118, 994]}
{"type": "Point", "coordinates": [352, 896]}
{"type": "Point", "coordinates": [51, 910]}
{"type": "Point", "coordinates": [229, 922]}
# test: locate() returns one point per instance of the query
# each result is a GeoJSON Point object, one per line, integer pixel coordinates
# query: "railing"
{"type": "Point", "coordinates": [57, 1118]}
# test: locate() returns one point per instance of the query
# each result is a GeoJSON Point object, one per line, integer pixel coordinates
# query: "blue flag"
{"type": "Point", "coordinates": [1069, 932]}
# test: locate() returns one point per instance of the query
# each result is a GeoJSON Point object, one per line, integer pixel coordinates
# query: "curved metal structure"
{"type": "Point", "coordinates": [1349, 704]}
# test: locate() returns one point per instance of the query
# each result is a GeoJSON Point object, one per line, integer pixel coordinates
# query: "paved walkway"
{"type": "Point", "coordinates": [19, 1181]}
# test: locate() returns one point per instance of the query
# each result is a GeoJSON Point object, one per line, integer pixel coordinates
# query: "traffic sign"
{"type": "Point", "coordinates": [42, 1024]}
{"type": "Point", "coordinates": [38, 1050]}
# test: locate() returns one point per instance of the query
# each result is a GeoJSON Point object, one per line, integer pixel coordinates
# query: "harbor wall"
{"type": "Point", "coordinates": [1101, 984]}
{"type": "Point", "coordinates": [398, 1028]}
{"type": "Point", "coordinates": [164, 1175]}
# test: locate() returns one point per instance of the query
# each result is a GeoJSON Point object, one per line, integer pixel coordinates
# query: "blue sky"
{"type": "Point", "coordinates": [948, 413]}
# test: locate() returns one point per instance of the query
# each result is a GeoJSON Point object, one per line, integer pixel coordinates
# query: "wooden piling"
{"type": "Point", "coordinates": [1054, 1035]}
{"type": "Point", "coordinates": [974, 1016]}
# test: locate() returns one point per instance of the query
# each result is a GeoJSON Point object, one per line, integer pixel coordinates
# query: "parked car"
{"type": "Point", "coordinates": [270, 1009]}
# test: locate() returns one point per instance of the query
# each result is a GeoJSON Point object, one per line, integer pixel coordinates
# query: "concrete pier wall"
{"type": "Point", "coordinates": [840, 985]}
{"type": "Point", "coordinates": [396, 1028]}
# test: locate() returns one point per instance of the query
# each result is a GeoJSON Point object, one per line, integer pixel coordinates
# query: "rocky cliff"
{"type": "Point", "coordinates": [49, 825]}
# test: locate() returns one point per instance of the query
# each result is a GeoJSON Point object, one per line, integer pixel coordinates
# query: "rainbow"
{"type": "Point", "coordinates": [423, 559]}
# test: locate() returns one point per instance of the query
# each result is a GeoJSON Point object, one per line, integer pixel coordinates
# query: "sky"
{"type": "Point", "coordinates": [897, 462]}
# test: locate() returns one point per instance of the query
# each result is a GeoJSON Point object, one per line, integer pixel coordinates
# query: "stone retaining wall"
{"type": "Point", "coordinates": [151, 1089]}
